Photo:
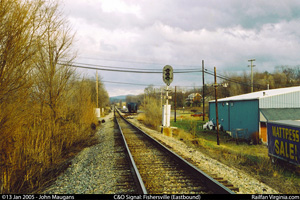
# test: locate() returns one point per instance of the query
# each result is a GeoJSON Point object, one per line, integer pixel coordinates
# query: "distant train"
{"type": "Point", "coordinates": [132, 107]}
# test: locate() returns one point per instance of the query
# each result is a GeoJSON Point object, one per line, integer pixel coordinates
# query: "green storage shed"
{"type": "Point", "coordinates": [237, 117]}
{"type": "Point", "coordinates": [241, 116]}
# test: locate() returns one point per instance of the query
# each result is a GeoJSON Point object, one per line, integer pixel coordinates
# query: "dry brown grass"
{"type": "Point", "coordinates": [141, 117]}
{"type": "Point", "coordinates": [182, 135]}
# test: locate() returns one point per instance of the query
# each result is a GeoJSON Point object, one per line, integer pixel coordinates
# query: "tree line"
{"type": "Point", "coordinates": [45, 108]}
{"type": "Point", "coordinates": [282, 76]}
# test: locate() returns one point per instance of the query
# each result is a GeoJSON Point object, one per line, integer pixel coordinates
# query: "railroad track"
{"type": "Point", "coordinates": [129, 182]}
{"type": "Point", "coordinates": [161, 171]}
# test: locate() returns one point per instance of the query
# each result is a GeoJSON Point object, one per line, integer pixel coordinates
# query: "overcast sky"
{"type": "Point", "coordinates": [150, 34]}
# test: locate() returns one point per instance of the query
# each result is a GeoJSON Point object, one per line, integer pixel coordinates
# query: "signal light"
{"type": "Point", "coordinates": [168, 74]}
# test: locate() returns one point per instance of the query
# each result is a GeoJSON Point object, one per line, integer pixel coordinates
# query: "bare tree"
{"type": "Point", "coordinates": [43, 108]}
{"type": "Point", "coordinates": [18, 37]}
{"type": "Point", "coordinates": [18, 29]}
{"type": "Point", "coordinates": [53, 73]}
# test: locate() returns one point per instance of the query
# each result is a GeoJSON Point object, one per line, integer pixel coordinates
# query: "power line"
{"type": "Point", "coordinates": [119, 69]}
{"type": "Point", "coordinates": [137, 62]}
{"type": "Point", "coordinates": [132, 68]}
{"type": "Point", "coordinates": [152, 71]}
{"type": "Point", "coordinates": [107, 68]}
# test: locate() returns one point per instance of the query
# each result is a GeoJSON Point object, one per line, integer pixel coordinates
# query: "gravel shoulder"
{"type": "Point", "coordinates": [91, 171]}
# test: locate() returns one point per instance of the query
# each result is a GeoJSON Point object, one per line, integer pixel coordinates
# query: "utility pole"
{"type": "Point", "coordinates": [97, 104]}
{"type": "Point", "coordinates": [97, 109]}
{"type": "Point", "coordinates": [175, 105]}
{"type": "Point", "coordinates": [216, 101]}
{"type": "Point", "coordinates": [251, 60]}
{"type": "Point", "coordinates": [203, 90]}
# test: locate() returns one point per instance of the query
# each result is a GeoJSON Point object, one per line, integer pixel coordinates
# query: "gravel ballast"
{"type": "Point", "coordinates": [95, 169]}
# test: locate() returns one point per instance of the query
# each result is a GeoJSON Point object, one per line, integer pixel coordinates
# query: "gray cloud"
{"type": "Point", "coordinates": [182, 33]}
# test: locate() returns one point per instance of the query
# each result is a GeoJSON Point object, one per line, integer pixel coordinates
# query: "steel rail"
{"type": "Point", "coordinates": [141, 189]}
{"type": "Point", "coordinates": [211, 183]}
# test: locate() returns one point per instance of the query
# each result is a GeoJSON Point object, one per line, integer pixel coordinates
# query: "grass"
{"type": "Point", "coordinates": [253, 159]}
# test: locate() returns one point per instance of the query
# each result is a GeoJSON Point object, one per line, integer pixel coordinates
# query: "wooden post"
{"type": "Point", "coordinates": [97, 104]}
{"type": "Point", "coordinates": [203, 99]}
{"type": "Point", "coordinates": [251, 60]}
{"type": "Point", "coordinates": [216, 101]}
{"type": "Point", "coordinates": [175, 105]}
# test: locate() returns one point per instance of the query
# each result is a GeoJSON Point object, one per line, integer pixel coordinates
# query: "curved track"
{"type": "Point", "coordinates": [163, 171]}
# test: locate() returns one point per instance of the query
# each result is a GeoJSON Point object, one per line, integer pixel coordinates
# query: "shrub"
{"type": "Point", "coordinates": [141, 117]}
{"type": "Point", "coordinates": [153, 113]}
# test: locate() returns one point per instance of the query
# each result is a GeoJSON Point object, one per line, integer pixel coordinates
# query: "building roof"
{"type": "Point", "coordinates": [274, 114]}
{"type": "Point", "coordinates": [295, 123]}
{"type": "Point", "coordinates": [260, 94]}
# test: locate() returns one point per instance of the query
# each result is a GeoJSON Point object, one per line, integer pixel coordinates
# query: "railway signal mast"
{"type": "Point", "coordinates": [167, 78]}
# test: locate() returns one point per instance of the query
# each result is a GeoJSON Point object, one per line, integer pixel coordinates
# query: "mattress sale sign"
{"type": "Point", "coordinates": [283, 142]}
